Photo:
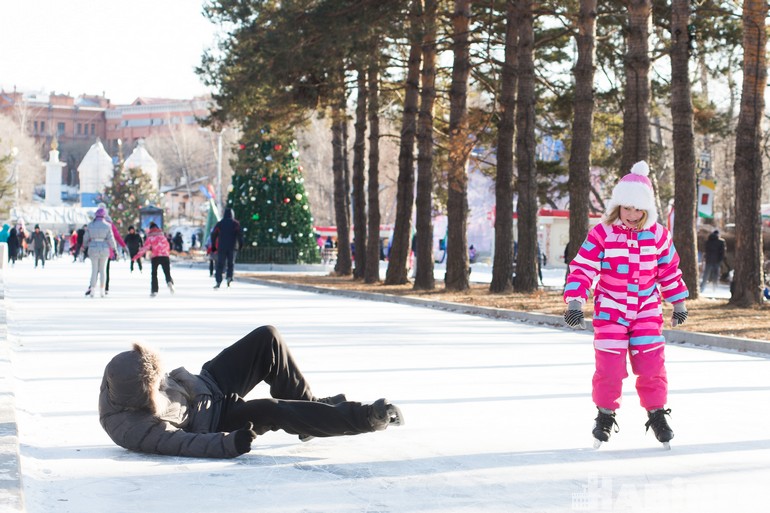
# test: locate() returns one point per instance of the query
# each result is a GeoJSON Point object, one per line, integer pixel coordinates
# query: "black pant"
{"type": "Point", "coordinates": [260, 356]}
{"type": "Point", "coordinates": [164, 263]}
{"type": "Point", "coordinates": [225, 258]}
{"type": "Point", "coordinates": [138, 261]}
{"type": "Point", "coordinates": [40, 255]}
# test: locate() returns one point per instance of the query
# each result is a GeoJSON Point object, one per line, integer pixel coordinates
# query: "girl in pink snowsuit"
{"type": "Point", "coordinates": [635, 262]}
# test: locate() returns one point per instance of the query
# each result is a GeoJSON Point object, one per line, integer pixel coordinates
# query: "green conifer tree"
{"type": "Point", "coordinates": [129, 190]}
{"type": "Point", "coordinates": [268, 199]}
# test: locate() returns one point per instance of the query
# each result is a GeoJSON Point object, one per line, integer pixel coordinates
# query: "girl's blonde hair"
{"type": "Point", "coordinates": [614, 214]}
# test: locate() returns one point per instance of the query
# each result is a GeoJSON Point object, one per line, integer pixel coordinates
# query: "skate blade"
{"type": "Point", "coordinates": [597, 443]}
{"type": "Point", "coordinates": [666, 445]}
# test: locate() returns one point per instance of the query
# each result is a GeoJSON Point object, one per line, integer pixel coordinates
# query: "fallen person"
{"type": "Point", "coordinates": [206, 416]}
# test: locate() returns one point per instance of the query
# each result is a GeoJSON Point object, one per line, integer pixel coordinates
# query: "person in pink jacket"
{"type": "Point", "coordinates": [157, 244]}
{"type": "Point", "coordinates": [632, 261]}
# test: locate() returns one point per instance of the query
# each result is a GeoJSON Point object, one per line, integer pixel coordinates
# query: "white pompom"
{"type": "Point", "coordinates": [641, 168]}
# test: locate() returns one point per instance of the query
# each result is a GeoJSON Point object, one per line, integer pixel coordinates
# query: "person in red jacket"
{"type": "Point", "coordinates": [157, 244]}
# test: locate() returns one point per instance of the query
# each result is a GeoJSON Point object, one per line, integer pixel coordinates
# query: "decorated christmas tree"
{"type": "Point", "coordinates": [129, 190]}
{"type": "Point", "coordinates": [268, 199]}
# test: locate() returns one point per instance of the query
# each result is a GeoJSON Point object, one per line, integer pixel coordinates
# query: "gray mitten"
{"type": "Point", "coordinates": [573, 316]}
{"type": "Point", "coordinates": [680, 314]}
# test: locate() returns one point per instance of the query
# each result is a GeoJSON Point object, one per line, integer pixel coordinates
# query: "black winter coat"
{"type": "Point", "coordinates": [133, 243]}
{"type": "Point", "coordinates": [179, 421]}
{"type": "Point", "coordinates": [226, 235]}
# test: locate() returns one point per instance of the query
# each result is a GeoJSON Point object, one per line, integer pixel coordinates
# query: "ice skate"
{"type": "Point", "coordinates": [603, 427]}
{"type": "Point", "coordinates": [384, 414]}
{"type": "Point", "coordinates": [332, 400]}
{"type": "Point", "coordinates": [657, 421]}
{"type": "Point", "coordinates": [171, 286]}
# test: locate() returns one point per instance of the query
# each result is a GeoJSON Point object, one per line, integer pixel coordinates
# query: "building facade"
{"type": "Point", "coordinates": [87, 117]}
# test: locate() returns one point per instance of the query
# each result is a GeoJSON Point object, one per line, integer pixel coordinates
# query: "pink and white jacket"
{"type": "Point", "coordinates": [634, 268]}
{"type": "Point", "coordinates": [156, 243]}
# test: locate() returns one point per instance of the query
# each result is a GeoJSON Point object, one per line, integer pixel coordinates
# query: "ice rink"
{"type": "Point", "coordinates": [498, 414]}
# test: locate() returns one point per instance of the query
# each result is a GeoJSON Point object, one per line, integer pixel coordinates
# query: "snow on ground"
{"type": "Point", "coordinates": [498, 414]}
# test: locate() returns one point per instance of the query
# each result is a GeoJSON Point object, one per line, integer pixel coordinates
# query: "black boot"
{"type": "Point", "coordinates": [383, 414]}
{"type": "Point", "coordinates": [657, 421]}
{"type": "Point", "coordinates": [335, 399]}
{"type": "Point", "coordinates": [605, 421]}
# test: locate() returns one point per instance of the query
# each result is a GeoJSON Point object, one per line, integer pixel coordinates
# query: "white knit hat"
{"type": "Point", "coordinates": [635, 190]}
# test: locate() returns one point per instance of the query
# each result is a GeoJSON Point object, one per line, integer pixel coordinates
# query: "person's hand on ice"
{"type": "Point", "coordinates": [244, 437]}
{"type": "Point", "coordinates": [680, 314]}
{"type": "Point", "coordinates": [573, 316]}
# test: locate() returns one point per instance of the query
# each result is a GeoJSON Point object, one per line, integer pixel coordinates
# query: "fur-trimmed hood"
{"type": "Point", "coordinates": [132, 378]}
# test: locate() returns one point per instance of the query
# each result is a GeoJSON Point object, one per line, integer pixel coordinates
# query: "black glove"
{"type": "Point", "coordinates": [244, 437]}
{"type": "Point", "coordinates": [573, 316]}
{"type": "Point", "coordinates": [680, 314]}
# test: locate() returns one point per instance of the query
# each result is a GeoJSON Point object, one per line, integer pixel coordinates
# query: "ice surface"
{"type": "Point", "coordinates": [498, 414]}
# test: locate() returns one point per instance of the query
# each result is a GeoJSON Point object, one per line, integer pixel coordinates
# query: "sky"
{"type": "Point", "coordinates": [498, 414]}
{"type": "Point", "coordinates": [124, 49]}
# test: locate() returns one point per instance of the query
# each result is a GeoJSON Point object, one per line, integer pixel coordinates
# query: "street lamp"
{"type": "Point", "coordinates": [219, 170]}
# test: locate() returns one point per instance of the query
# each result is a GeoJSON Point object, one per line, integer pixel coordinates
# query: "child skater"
{"type": "Point", "coordinates": [636, 263]}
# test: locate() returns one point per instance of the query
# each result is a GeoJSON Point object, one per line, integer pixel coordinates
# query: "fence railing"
{"type": "Point", "coordinates": [276, 255]}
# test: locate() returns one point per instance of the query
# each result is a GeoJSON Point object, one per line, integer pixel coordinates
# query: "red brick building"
{"type": "Point", "coordinates": [86, 117]}
{"type": "Point", "coordinates": [68, 119]}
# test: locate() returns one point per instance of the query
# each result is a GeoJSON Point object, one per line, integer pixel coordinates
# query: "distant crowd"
{"type": "Point", "coordinates": [47, 244]}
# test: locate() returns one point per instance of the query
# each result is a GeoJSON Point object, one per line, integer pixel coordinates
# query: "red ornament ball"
{"type": "Point", "coordinates": [277, 147]}
{"type": "Point", "coordinates": [242, 146]}
{"type": "Point", "coordinates": [286, 200]}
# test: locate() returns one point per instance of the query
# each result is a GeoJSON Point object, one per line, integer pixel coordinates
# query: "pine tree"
{"type": "Point", "coordinates": [268, 199]}
{"type": "Point", "coordinates": [130, 190]}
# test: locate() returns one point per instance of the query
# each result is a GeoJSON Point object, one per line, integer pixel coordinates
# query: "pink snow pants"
{"type": "Point", "coordinates": [643, 341]}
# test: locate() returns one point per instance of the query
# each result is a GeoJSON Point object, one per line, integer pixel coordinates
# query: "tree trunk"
{"type": "Point", "coordinates": [372, 273]}
{"type": "Point", "coordinates": [685, 238]}
{"type": "Point", "coordinates": [397, 273]}
{"type": "Point", "coordinates": [457, 194]}
{"type": "Point", "coordinates": [343, 266]}
{"type": "Point", "coordinates": [527, 207]}
{"type": "Point", "coordinates": [582, 128]}
{"type": "Point", "coordinates": [636, 109]}
{"type": "Point", "coordinates": [423, 276]}
{"type": "Point", "coordinates": [502, 267]}
{"type": "Point", "coordinates": [359, 192]}
{"type": "Point", "coordinates": [748, 279]}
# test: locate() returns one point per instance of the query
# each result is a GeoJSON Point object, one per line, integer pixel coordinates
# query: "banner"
{"type": "Point", "coordinates": [706, 190]}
